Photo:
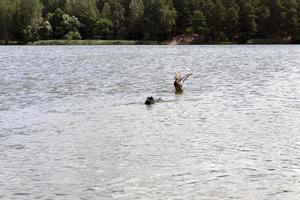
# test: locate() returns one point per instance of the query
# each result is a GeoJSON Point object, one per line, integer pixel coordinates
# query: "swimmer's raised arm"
{"type": "Point", "coordinates": [186, 77]}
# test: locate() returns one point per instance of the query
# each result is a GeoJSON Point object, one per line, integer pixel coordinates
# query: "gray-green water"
{"type": "Point", "coordinates": [73, 124]}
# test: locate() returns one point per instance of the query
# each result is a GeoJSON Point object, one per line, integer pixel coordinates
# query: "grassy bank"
{"type": "Point", "coordinates": [265, 41]}
{"type": "Point", "coordinates": [214, 43]}
{"type": "Point", "coordinates": [253, 41]}
{"type": "Point", "coordinates": [8, 43]}
{"type": "Point", "coordinates": [92, 42]}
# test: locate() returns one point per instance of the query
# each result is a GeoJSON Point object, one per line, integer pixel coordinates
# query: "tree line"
{"type": "Point", "coordinates": [214, 20]}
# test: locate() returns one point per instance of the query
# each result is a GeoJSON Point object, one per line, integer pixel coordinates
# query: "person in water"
{"type": "Point", "coordinates": [178, 88]}
{"type": "Point", "coordinates": [151, 100]}
{"type": "Point", "coordinates": [179, 80]}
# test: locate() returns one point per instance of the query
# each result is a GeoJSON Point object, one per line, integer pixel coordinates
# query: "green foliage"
{"type": "Point", "coordinates": [289, 16]}
{"type": "Point", "coordinates": [160, 18]}
{"type": "Point", "coordinates": [100, 4]}
{"type": "Point", "coordinates": [136, 19]}
{"type": "Point", "coordinates": [73, 36]}
{"type": "Point", "coordinates": [103, 28]}
{"type": "Point", "coordinates": [167, 17]}
{"type": "Point", "coordinates": [248, 25]}
{"type": "Point", "coordinates": [152, 19]}
{"type": "Point", "coordinates": [106, 11]}
{"type": "Point", "coordinates": [208, 7]}
{"type": "Point", "coordinates": [27, 20]}
{"type": "Point", "coordinates": [232, 22]}
{"type": "Point", "coordinates": [52, 5]}
{"type": "Point", "coordinates": [87, 12]}
{"type": "Point", "coordinates": [263, 18]}
{"type": "Point", "coordinates": [7, 12]}
{"type": "Point", "coordinates": [62, 23]}
{"type": "Point", "coordinates": [214, 20]}
{"type": "Point", "coordinates": [183, 17]}
{"type": "Point", "coordinates": [199, 22]}
{"type": "Point", "coordinates": [117, 18]}
{"type": "Point", "coordinates": [45, 30]}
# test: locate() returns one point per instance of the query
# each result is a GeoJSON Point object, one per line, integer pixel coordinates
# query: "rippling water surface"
{"type": "Point", "coordinates": [73, 124]}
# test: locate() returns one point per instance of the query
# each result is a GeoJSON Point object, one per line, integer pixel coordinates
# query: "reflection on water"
{"type": "Point", "coordinates": [73, 124]}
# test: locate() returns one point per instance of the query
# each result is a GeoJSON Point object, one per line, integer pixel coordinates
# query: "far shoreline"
{"type": "Point", "coordinates": [142, 42]}
{"type": "Point", "coordinates": [81, 42]}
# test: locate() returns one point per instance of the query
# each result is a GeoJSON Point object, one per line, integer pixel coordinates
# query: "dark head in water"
{"type": "Point", "coordinates": [151, 100]}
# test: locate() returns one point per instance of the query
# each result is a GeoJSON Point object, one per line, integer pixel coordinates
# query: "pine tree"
{"type": "Point", "coordinates": [263, 18]}
{"type": "Point", "coordinates": [117, 18]}
{"type": "Point", "coordinates": [217, 23]}
{"type": "Point", "coordinates": [106, 11]}
{"type": "Point", "coordinates": [136, 19]}
{"type": "Point", "coordinates": [167, 17]}
{"type": "Point", "coordinates": [152, 19]}
{"type": "Point", "coordinates": [198, 22]}
{"type": "Point", "coordinates": [183, 17]}
{"type": "Point", "coordinates": [248, 26]}
{"type": "Point", "coordinates": [291, 25]}
{"type": "Point", "coordinates": [7, 11]}
{"type": "Point", "coordinates": [232, 22]}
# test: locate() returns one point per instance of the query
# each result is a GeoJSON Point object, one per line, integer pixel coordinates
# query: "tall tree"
{"type": "Point", "coordinates": [136, 19]}
{"type": "Point", "coordinates": [27, 20]}
{"type": "Point", "coordinates": [289, 15]}
{"type": "Point", "coordinates": [263, 14]}
{"type": "Point", "coordinates": [183, 16]}
{"type": "Point", "coordinates": [160, 18]}
{"type": "Point", "coordinates": [7, 11]}
{"type": "Point", "coordinates": [248, 26]}
{"type": "Point", "coordinates": [117, 18]}
{"type": "Point", "coordinates": [106, 11]}
{"type": "Point", "coordinates": [217, 21]}
{"type": "Point", "coordinates": [199, 23]}
{"type": "Point", "coordinates": [167, 17]}
{"type": "Point", "coordinates": [207, 7]}
{"type": "Point", "coordinates": [232, 22]}
{"type": "Point", "coordinates": [275, 22]}
{"type": "Point", "coordinates": [152, 18]}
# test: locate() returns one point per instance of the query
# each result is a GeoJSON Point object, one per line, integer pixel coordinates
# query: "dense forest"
{"type": "Point", "coordinates": [214, 20]}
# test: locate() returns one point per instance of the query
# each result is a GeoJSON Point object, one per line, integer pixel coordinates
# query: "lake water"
{"type": "Point", "coordinates": [73, 124]}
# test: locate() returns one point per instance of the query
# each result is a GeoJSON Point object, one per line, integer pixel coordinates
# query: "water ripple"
{"type": "Point", "coordinates": [73, 124]}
